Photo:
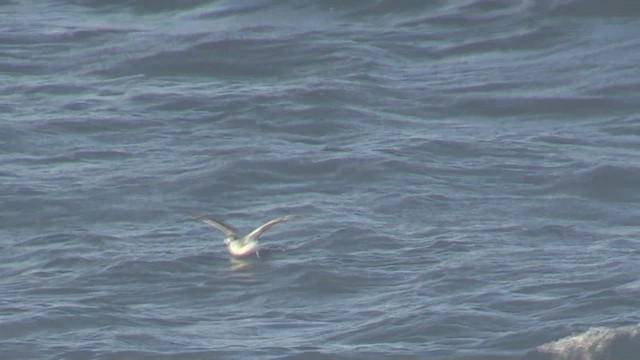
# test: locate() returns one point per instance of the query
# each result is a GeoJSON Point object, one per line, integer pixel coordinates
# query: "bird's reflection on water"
{"type": "Point", "coordinates": [254, 260]}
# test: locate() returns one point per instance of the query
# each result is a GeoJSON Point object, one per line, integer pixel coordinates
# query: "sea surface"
{"type": "Point", "coordinates": [465, 176]}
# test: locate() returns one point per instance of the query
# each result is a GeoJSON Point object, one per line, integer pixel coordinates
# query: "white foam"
{"type": "Point", "coordinates": [600, 343]}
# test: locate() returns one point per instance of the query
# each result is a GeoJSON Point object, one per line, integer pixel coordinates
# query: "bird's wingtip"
{"type": "Point", "coordinates": [196, 216]}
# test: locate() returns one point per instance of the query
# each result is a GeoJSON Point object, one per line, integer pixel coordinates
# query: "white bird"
{"type": "Point", "coordinates": [237, 245]}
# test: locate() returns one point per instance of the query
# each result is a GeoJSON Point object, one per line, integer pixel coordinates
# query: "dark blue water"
{"type": "Point", "coordinates": [466, 175]}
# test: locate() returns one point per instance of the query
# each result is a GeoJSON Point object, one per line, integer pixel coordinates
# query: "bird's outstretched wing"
{"type": "Point", "coordinates": [228, 230]}
{"type": "Point", "coordinates": [262, 228]}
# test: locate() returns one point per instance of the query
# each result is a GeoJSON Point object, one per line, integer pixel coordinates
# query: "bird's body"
{"type": "Point", "coordinates": [241, 246]}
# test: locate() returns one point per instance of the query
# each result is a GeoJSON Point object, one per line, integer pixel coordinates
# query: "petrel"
{"type": "Point", "coordinates": [241, 246]}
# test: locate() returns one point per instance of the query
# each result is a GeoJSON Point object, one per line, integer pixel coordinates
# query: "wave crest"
{"type": "Point", "coordinates": [600, 343]}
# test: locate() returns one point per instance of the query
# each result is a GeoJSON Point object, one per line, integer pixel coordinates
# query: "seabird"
{"type": "Point", "coordinates": [241, 246]}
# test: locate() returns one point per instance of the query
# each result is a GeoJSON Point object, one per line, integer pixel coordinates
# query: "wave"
{"type": "Point", "coordinates": [604, 182]}
{"type": "Point", "coordinates": [595, 8]}
{"type": "Point", "coordinates": [600, 343]}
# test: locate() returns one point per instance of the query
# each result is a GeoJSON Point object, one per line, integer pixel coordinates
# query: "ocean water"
{"type": "Point", "coordinates": [466, 176]}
